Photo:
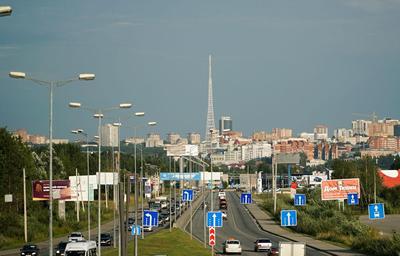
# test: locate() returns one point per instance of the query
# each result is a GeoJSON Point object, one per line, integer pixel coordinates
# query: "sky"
{"type": "Point", "coordinates": [276, 63]}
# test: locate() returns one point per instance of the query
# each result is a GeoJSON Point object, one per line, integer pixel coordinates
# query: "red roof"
{"type": "Point", "coordinates": [390, 178]}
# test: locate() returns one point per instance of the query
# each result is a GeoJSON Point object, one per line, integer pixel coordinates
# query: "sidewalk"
{"type": "Point", "coordinates": [266, 223]}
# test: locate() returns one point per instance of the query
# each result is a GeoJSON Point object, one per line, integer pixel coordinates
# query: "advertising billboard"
{"type": "Point", "coordinates": [41, 188]}
{"type": "Point", "coordinates": [79, 187]}
{"type": "Point", "coordinates": [338, 189]}
{"type": "Point", "coordinates": [317, 179]}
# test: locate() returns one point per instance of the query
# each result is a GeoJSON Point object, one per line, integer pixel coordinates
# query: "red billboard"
{"type": "Point", "coordinates": [390, 178]}
{"type": "Point", "coordinates": [41, 188]}
{"type": "Point", "coordinates": [338, 189]}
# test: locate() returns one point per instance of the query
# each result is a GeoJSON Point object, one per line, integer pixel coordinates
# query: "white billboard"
{"type": "Point", "coordinates": [79, 187]}
{"type": "Point", "coordinates": [317, 179]}
{"type": "Point", "coordinates": [108, 178]}
{"type": "Point", "coordinates": [182, 150]}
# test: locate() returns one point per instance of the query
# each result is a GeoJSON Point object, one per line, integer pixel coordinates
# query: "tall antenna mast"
{"type": "Point", "coordinates": [210, 112]}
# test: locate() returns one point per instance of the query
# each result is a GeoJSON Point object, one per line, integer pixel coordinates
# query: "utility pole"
{"type": "Point", "coordinates": [25, 213]}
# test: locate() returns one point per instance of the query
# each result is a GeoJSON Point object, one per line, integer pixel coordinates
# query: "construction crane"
{"type": "Point", "coordinates": [372, 116]}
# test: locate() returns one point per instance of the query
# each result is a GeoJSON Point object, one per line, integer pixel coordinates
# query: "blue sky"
{"type": "Point", "coordinates": [278, 63]}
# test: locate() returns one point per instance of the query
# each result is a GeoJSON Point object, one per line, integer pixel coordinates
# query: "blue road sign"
{"type": "Point", "coordinates": [179, 176]}
{"type": "Point", "coordinates": [376, 211]}
{"type": "Point", "coordinates": [299, 199]}
{"type": "Point", "coordinates": [352, 199]}
{"type": "Point", "coordinates": [288, 218]}
{"type": "Point", "coordinates": [187, 195]}
{"type": "Point", "coordinates": [245, 198]}
{"type": "Point", "coordinates": [135, 230]}
{"type": "Point", "coordinates": [150, 218]}
{"type": "Point", "coordinates": [214, 219]}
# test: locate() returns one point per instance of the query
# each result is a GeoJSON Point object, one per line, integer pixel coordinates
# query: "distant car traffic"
{"type": "Point", "coordinates": [60, 250]}
{"type": "Point", "coordinates": [76, 237]}
{"type": "Point", "coordinates": [224, 215]}
{"type": "Point", "coordinates": [29, 250]}
{"type": "Point", "coordinates": [232, 246]}
{"type": "Point", "coordinates": [262, 245]}
{"type": "Point", "coordinates": [106, 239]}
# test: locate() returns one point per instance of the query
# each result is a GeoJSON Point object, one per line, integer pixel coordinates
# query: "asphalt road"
{"type": "Point", "coordinates": [240, 225]}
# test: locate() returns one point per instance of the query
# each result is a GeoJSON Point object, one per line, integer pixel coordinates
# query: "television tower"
{"type": "Point", "coordinates": [210, 112]}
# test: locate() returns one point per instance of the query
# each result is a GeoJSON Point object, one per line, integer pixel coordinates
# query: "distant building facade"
{"type": "Point", "coordinates": [154, 140]}
{"type": "Point", "coordinates": [109, 135]}
{"type": "Point", "coordinates": [321, 132]}
{"type": "Point", "coordinates": [194, 138]}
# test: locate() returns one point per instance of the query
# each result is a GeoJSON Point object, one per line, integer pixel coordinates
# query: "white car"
{"type": "Point", "coordinates": [232, 246]}
{"type": "Point", "coordinates": [262, 244]}
{"type": "Point", "coordinates": [221, 194]}
{"type": "Point", "coordinates": [76, 237]}
{"type": "Point", "coordinates": [147, 229]}
{"type": "Point", "coordinates": [224, 215]}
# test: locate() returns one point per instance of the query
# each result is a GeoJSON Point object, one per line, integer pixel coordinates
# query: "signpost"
{"type": "Point", "coordinates": [352, 199]}
{"type": "Point", "coordinates": [214, 219]}
{"type": "Point", "coordinates": [135, 229]}
{"type": "Point", "coordinates": [150, 218]}
{"type": "Point", "coordinates": [376, 211]}
{"type": "Point", "coordinates": [187, 195]}
{"type": "Point", "coordinates": [211, 236]}
{"type": "Point", "coordinates": [299, 199]}
{"type": "Point", "coordinates": [288, 218]}
{"type": "Point", "coordinates": [245, 198]}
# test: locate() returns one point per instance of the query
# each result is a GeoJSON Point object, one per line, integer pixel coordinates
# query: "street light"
{"type": "Point", "coordinates": [98, 113]}
{"type": "Point", "coordinates": [5, 10]}
{"type": "Point", "coordinates": [51, 85]}
{"type": "Point", "coordinates": [82, 132]}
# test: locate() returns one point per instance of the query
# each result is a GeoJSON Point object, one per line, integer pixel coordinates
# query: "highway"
{"type": "Point", "coordinates": [240, 225]}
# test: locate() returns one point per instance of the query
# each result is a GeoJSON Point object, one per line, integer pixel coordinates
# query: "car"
{"type": "Point", "coordinates": [60, 250]}
{"type": "Point", "coordinates": [131, 221]}
{"type": "Point", "coordinates": [106, 239]}
{"type": "Point", "coordinates": [165, 217]}
{"type": "Point", "coordinates": [147, 229]}
{"type": "Point", "coordinates": [29, 250]}
{"type": "Point", "coordinates": [262, 244]}
{"type": "Point", "coordinates": [76, 237]}
{"type": "Point", "coordinates": [164, 204]}
{"type": "Point", "coordinates": [224, 215]}
{"type": "Point", "coordinates": [232, 246]}
{"type": "Point", "coordinates": [221, 194]}
{"type": "Point", "coordinates": [81, 248]}
{"type": "Point", "coordinates": [223, 206]}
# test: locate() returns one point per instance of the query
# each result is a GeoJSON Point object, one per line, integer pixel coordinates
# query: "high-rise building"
{"type": "Point", "coordinates": [210, 113]}
{"type": "Point", "coordinates": [321, 132]}
{"type": "Point", "coordinates": [109, 135]}
{"type": "Point", "coordinates": [225, 124]}
{"type": "Point", "coordinates": [173, 138]}
{"type": "Point", "coordinates": [282, 133]}
{"type": "Point", "coordinates": [194, 138]}
{"type": "Point", "coordinates": [360, 127]}
{"type": "Point", "coordinates": [396, 130]}
{"type": "Point", "coordinates": [154, 140]}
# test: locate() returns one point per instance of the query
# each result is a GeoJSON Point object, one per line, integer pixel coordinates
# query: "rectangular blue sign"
{"type": "Point", "coordinates": [245, 198]}
{"type": "Point", "coordinates": [179, 176]}
{"type": "Point", "coordinates": [288, 218]}
{"type": "Point", "coordinates": [187, 195]}
{"type": "Point", "coordinates": [352, 199]}
{"type": "Point", "coordinates": [214, 219]}
{"type": "Point", "coordinates": [376, 211]}
{"type": "Point", "coordinates": [135, 230]}
{"type": "Point", "coordinates": [150, 218]}
{"type": "Point", "coordinates": [299, 199]}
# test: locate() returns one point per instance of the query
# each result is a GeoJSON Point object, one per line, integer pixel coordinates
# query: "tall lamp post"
{"type": "Point", "coordinates": [5, 10]}
{"type": "Point", "coordinates": [51, 85]}
{"type": "Point", "coordinates": [98, 113]}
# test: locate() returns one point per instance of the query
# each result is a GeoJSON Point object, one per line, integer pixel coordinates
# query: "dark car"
{"type": "Point", "coordinates": [274, 251]}
{"type": "Point", "coordinates": [29, 250]}
{"type": "Point", "coordinates": [106, 239]}
{"type": "Point", "coordinates": [60, 250]}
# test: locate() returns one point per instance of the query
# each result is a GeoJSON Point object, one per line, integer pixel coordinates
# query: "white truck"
{"type": "Point", "coordinates": [292, 249]}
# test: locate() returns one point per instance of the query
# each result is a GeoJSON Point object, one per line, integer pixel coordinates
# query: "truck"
{"type": "Point", "coordinates": [292, 249]}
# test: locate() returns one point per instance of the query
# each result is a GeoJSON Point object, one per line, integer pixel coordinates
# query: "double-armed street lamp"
{"type": "Point", "coordinates": [5, 10]}
{"type": "Point", "coordinates": [51, 85]}
{"type": "Point", "coordinates": [98, 113]}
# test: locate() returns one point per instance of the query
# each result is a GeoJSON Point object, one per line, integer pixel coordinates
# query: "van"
{"type": "Point", "coordinates": [81, 248]}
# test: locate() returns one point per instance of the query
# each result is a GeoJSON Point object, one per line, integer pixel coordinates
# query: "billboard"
{"type": "Point", "coordinates": [287, 158]}
{"type": "Point", "coordinates": [338, 189]}
{"type": "Point", "coordinates": [179, 176]}
{"type": "Point", "coordinates": [390, 178]}
{"type": "Point", "coordinates": [182, 150]}
{"type": "Point", "coordinates": [317, 179]}
{"type": "Point", "coordinates": [79, 187]}
{"type": "Point", "coordinates": [41, 188]}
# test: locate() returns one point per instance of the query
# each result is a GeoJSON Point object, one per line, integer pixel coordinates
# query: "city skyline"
{"type": "Point", "coordinates": [272, 66]}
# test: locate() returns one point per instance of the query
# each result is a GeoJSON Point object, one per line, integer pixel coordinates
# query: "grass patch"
{"type": "Point", "coordinates": [175, 243]}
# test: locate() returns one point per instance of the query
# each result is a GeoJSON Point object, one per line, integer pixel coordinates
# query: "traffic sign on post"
{"type": "Point", "coordinates": [299, 199]}
{"type": "Point", "coordinates": [150, 218]}
{"type": "Point", "coordinates": [211, 236]}
{"type": "Point", "coordinates": [135, 230]}
{"type": "Point", "coordinates": [187, 195]}
{"type": "Point", "coordinates": [376, 211]}
{"type": "Point", "coordinates": [288, 218]}
{"type": "Point", "coordinates": [245, 198]}
{"type": "Point", "coordinates": [214, 219]}
{"type": "Point", "coordinates": [352, 199]}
